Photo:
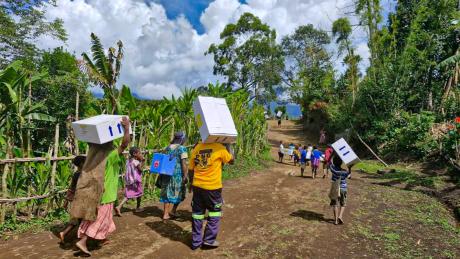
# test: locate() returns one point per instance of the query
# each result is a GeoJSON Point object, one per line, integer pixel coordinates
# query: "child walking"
{"type": "Point", "coordinates": [133, 180]}
{"type": "Point", "coordinates": [327, 160]}
{"type": "Point", "coordinates": [78, 161]}
{"type": "Point", "coordinates": [296, 153]}
{"type": "Point", "coordinates": [315, 160]}
{"type": "Point", "coordinates": [303, 160]}
{"type": "Point", "coordinates": [309, 150]}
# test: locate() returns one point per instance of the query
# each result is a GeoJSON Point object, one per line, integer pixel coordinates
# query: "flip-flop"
{"type": "Point", "coordinates": [82, 249]}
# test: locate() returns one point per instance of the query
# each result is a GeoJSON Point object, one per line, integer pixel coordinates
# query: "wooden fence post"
{"type": "Point", "coordinates": [55, 155]}
{"type": "Point", "coordinates": [6, 170]}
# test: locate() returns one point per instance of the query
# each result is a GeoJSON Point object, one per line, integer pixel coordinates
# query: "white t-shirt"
{"type": "Point", "coordinates": [281, 148]}
{"type": "Point", "coordinates": [309, 150]}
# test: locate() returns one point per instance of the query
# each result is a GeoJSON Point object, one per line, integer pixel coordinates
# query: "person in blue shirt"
{"type": "Point", "coordinates": [303, 160]}
{"type": "Point", "coordinates": [315, 161]}
{"type": "Point", "coordinates": [339, 174]}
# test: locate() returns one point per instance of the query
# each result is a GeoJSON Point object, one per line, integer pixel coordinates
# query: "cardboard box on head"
{"type": "Point", "coordinates": [279, 114]}
{"type": "Point", "coordinates": [99, 129]}
{"type": "Point", "coordinates": [214, 120]}
{"type": "Point", "coordinates": [345, 152]}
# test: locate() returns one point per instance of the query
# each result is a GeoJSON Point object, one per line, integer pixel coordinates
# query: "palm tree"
{"type": "Point", "coordinates": [103, 70]}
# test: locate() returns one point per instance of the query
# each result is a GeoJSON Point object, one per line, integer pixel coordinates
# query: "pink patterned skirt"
{"type": "Point", "coordinates": [102, 226]}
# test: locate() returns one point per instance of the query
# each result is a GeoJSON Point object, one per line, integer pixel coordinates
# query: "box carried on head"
{"type": "Point", "coordinates": [214, 120]}
{"type": "Point", "coordinates": [345, 152]}
{"type": "Point", "coordinates": [99, 129]}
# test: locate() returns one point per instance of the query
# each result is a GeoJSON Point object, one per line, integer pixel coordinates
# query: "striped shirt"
{"type": "Point", "coordinates": [337, 173]}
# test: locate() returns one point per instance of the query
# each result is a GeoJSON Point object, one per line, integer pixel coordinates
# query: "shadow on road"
{"type": "Point", "coordinates": [172, 231]}
{"type": "Point", "coordinates": [310, 215]}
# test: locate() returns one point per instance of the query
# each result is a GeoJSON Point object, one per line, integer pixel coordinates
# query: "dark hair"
{"type": "Point", "coordinates": [309, 144]}
{"type": "Point", "coordinates": [337, 161]}
{"type": "Point", "coordinates": [314, 147]}
{"type": "Point", "coordinates": [133, 151]}
{"type": "Point", "coordinates": [304, 147]}
{"type": "Point", "coordinates": [78, 161]}
{"type": "Point", "coordinates": [179, 138]}
{"type": "Point", "coordinates": [281, 141]}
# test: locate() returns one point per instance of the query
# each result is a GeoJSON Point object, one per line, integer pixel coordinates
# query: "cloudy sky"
{"type": "Point", "coordinates": [165, 40]}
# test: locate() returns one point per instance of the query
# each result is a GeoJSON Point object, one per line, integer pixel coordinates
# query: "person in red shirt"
{"type": "Point", "coordinates": [327, 160]}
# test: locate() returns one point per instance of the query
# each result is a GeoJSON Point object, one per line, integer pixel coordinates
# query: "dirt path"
{"type": "Point", "coordinates": [274, 213]}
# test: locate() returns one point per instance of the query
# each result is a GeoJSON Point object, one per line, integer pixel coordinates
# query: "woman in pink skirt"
{"type": "Point", "coordinates": [133, 180]}
{"type": "Point", "coordinates": [97, 190]}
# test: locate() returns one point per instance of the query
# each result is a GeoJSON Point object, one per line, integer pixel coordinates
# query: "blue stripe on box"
{"type": "Point", "coordinates": [346, 153]}
{"type": "Point", "coordinates": [341, 148]}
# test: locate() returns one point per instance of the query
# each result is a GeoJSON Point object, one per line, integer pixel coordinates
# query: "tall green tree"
{"type": "Point", "coordinates": [104, 70]}
{"type": "Point", "coordinates": [369, 12]}
{"type": "Point", "coordinates": [308, 72]}
{"type": "Point", "coordinates": [341, 30]}
{"type": "Point", "coordinates": [249, 57]}
{"type": "Point", "coordinates": [21, 22]}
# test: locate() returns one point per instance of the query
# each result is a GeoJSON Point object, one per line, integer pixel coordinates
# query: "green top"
{"type": "Point", "coordinates": [112, 170]}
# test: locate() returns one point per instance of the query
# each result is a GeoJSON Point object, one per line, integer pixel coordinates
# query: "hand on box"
{"type": "Point", "coordinates": [125, 122]}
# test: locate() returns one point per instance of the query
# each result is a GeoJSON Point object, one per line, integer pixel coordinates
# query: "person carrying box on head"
{"type": "Point", "coordinates": [205, 169]}
{"type": "Point", "coordinates": [97, 189]}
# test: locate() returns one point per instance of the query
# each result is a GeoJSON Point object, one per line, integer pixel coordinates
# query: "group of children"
{"type": "Point", "coordinates": [312, 156]}
{"type": "Point", "coordinates": [307, 156]}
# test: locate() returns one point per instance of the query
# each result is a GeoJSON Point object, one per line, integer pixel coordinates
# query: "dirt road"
{"type": "Point", "coordinates": [274, 213]}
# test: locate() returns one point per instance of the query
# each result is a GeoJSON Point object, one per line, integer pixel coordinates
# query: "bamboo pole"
{"type": "Point", "coordinates": [38, 197]}
{"type": "Point", "coordinates": [6, 169]}
{"type": "Point", "coordinates": [55, 155]}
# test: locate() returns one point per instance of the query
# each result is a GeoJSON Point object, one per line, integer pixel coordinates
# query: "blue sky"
{"type": "Point", "coordinates": [191, 9]}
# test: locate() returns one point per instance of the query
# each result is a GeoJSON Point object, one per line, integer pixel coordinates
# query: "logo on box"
{"type": "Point", "coordinates": [199, 121]}
{"type": "Point", "coordinates": [156, 164]}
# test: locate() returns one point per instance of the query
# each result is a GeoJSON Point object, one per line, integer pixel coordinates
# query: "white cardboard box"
{"type": "Point", "coordinates": [345, 152]}
{"type": "Point", "coordinates": [214, 120]}
{"type": "Point", "coordinates": [99, 129]}
{"type": "Point", "coordinates": [279, 114]}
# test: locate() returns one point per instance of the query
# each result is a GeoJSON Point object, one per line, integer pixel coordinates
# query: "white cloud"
{"type": "Point", "coordinates": [163, 56]}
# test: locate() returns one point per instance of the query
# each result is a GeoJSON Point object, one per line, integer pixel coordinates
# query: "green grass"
{"type": "Point", "coordinates": [244, 165]}
{"type": "Point", "coordinates": [34, 225]}
{"type": "Point", "coordinates": [401, 173]}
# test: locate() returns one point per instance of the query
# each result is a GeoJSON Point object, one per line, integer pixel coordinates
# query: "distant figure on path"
{"type": "Point", "coordinates": [281, 152]}
{"type": "Point", "coordinates": [315, 160]}
{"type": "Point", "coordinates": [338, 174]}
{"type": "Point", "coordinates": [327, 160]}
{"type": "Point", "coordinates": [279, 122]}
{"type": "Point", "coordinates": [322, 136]}
{"type": "Point", "coordinates": [206, 171]}
{"type": "Point", "coordinates": [309, 151]}
{"type": "Point", "coordinates": [303, 160]}
{"type": "Point", "coordinates": [133, 180]}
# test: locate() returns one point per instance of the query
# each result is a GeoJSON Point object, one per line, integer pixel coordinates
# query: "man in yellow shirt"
{"type": "Point", "coordinates": [206, 169]}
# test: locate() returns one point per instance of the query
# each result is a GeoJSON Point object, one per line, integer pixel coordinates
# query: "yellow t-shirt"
{"type": "Point", "coordinates": [206, 163]}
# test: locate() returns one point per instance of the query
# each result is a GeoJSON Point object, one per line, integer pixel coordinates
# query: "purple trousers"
{"type": "Point", "coordinates": [210, 200]}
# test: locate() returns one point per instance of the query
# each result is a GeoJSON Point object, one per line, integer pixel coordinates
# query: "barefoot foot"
{"type": "Point", "coordinates": [61, 236]}
{"type": "Point", "coordinates": [83, 248]}
{"type": "Point", "coordinates": [117, 211]}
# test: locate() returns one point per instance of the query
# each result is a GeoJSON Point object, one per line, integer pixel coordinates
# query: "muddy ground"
{"type": "Point", "coordinates": [275, 213]}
